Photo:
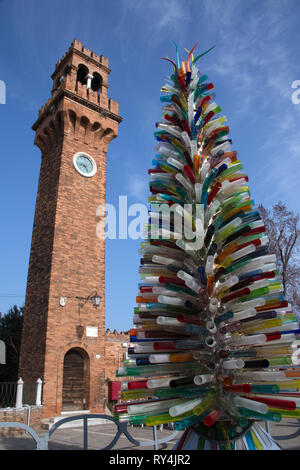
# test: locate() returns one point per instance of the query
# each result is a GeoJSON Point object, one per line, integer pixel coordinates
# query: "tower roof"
{"type": "Point", "coordinates": [87, 55]}
{"type": "Point", "coordinates": [81, 76]}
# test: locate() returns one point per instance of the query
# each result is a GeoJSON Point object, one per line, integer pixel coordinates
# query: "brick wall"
{"type": "Point", "coordinates": [113, 350]}
{"type": "Point", "coordinates": [20, 416]}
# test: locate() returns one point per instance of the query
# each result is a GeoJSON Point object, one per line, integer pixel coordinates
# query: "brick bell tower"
{"type": "Point", "coordinates": [64, 328]}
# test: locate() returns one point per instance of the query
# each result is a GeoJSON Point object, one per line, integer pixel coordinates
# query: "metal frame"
{"type": "Point", "coordinates": [290, 436]}
{"type": "Point", "coordinates": [43, 441]}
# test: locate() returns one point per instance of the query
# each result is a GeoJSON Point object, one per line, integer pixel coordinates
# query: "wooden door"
{"type": "Point", "coordinates": [73, 382]}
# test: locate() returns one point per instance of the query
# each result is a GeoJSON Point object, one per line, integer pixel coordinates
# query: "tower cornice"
{"type": "Point", "coordinates": [54, 101]}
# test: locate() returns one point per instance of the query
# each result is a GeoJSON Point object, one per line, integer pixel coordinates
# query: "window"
{"type": "Point", "coordinates": [82, 74]}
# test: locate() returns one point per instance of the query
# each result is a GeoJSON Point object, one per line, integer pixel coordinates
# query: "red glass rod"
{"type": "Point", "coordinates": [284, 404]}
{"type": "Point", "coordinates": [212, 417]}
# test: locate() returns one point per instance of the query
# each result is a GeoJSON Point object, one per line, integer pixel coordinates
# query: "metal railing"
{"type": "Point", "coordinates": [290, 436]}
{"type": "Point", "coordinates": [29, 393]}
{"type": "Point", "coordinates": [8, 391]}
{"type": "Point", "coordinates": [42, 442]}
{"type": "Point", "coordinates": [14, 394]}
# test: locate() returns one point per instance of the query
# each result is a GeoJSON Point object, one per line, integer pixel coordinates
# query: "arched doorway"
{"type": "Point", "coordinates": [75, 380]}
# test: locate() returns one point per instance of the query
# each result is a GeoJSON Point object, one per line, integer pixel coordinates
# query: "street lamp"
{"type": "Point", "coordinates": [95, 298]}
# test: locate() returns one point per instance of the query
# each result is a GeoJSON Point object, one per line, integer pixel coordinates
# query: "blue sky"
{"type": "Point", "coordinates": [253, 66]}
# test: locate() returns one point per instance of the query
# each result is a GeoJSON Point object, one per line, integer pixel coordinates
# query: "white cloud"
{"type": "Point", "coordinates": [250, 51]}
{"type": "Point", "coordinates": [159, 15]}
{"type": "Point", "coordinates": [254, 60]}
{"type": "Point", "coordinates": [148, 22]}
{"type": "Point", "coordinates": [137, 186]}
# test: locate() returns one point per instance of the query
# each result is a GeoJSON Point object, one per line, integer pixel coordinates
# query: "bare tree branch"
{"type": "Point", "coordinates": [283, 233]}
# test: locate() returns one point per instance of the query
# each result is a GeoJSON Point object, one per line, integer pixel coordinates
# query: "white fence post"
{"type": "Point", "coordinates": [19, 397]}
{"type": "Point", "coordinates": [155, 437]}
{"type": "Point", "coordinates": [38, 400]}
{"type": "Point", "coordinates": [2, 352]}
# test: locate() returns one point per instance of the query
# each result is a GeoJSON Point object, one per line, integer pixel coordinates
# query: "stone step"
{"type": "Point", "coordinates": [49, 422]}
{"type": "Point", "coordinates": [69, 397]}
{"type": "Point", "coordinates": [72, 405]}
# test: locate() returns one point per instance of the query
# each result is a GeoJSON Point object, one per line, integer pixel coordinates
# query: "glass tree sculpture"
{"type": "Point", "coordinates": [212, 349]}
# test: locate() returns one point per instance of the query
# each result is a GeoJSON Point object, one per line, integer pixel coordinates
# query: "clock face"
{"type": "Point", "coordinates": [84, 164]}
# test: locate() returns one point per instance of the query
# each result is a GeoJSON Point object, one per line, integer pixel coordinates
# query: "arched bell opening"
{"type": "Point", "coordinates": [82, 73]}
{"type": "Point", "coordinates": [96, 84]}
{"type": "Point", "coordinates": [62, 77]}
